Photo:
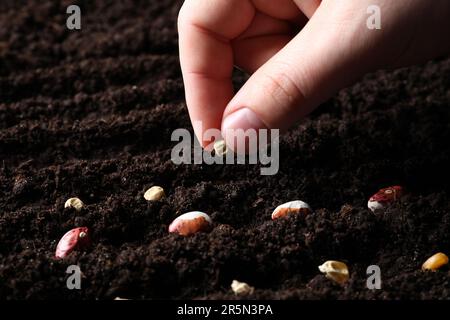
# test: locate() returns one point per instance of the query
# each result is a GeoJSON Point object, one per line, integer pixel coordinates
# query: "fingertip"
{"type": "Point", "coordinates": [239, 127]}
{"type": "Point", "coordinates": [244, 118]}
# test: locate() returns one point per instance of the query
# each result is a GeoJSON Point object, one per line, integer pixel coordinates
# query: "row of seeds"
{"type": "Point", "coordinates": [195, 221]}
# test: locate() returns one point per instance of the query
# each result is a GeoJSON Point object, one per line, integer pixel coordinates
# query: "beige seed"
{"type": "Point", "coordinates": [435, 262]}
{"type": "Point", "coordinates": [190, 223]}
{"type": "Point", "coordinates": [291, 207]}
{"type": "Point", "coordinates": [335, 270]}
{"type": "Point", "coordinates": [75, 203]}
{"type": "Point", "coordinates": [241, 288]}
{"type": "Point", "coordinates": [220, 148]}
{"type": "Point", "coordinates": [154, 194]}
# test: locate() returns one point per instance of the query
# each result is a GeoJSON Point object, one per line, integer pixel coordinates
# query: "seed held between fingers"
{"type": "Point", "coordinates": [241, 288]}
{"type": "Point", "coordinates": [75, 203]}
{"type": "Point", "coordinates": [220, 148]}
{"type": "Point", "coordinates": [74, 239]}
{"type": "Point", "coordinates": [154, 194]}
{"type": "Point", "coordinates": [335, 270]}
{"type": "Point", "coordinates": [287, 208]}
{"type": "Point", "coordinates": [435, 261]}
{"type": "Point", "coordinates": [384, 197]}
{"type": "Point", "coordinates": [191, 223]}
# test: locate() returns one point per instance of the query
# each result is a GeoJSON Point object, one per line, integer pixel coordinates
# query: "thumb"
{"type": "Point", "coordinates": [324, 57]}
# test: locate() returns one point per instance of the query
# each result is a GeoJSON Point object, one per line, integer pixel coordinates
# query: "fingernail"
{"type": "Point", "coordinates": [244, 119]}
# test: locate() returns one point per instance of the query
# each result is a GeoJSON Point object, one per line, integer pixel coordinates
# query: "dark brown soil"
{"type": "Point", "coordinates": [89, 114]}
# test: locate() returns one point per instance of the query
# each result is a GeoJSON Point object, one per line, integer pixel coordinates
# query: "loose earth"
{"type": "Point", "coordinates": [89, 114]}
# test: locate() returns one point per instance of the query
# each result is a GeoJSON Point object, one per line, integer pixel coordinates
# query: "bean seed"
{"type": "Point", "coordinates": [287, 208]}
{"type": "Point", "coordinates": [335, 270]}
{"type": "Point", "coordinates": [384, 197]}
{"type": "Point", "coordinates": [435, 262]}
{"type": "Point", "coordinates": [74, 239]}
{"type": "Point", "coordinates": [191, 223]}
{"type": "Point", "coordinates": [154, 194]}
{"type": "Point", "coordinates": [241, 288]}
{"type": "Point", "coordinates": [220, 148]}
{"type": "Point", "coordinates": [75, 203]}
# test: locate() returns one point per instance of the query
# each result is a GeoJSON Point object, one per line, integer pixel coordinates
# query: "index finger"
{"type": "Point", "coordinates": [205, 29]}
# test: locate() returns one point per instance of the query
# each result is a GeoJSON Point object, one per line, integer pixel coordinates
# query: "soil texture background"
{"type": "Point", "coordinates": [90, 114]}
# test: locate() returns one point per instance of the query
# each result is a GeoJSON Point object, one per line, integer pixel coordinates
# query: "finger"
{"type": "Point", "coordinates": [205, 30]}
{"type": "Point", "coordinates": [252, 53]}
{"type": "Point", "coordinates": [263, 24]}
{"type": "Point", "coordinates": [262, 39]}
{"type": "Point", "coordinates": [321, 59]}
{"type": "Point", "coordinates": [279, 9]}
{"type": "Point", "coordinates": [308, 7]}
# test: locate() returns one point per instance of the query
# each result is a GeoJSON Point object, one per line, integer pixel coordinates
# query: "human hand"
{"type": "Point", "coordinates": [294, 71]}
